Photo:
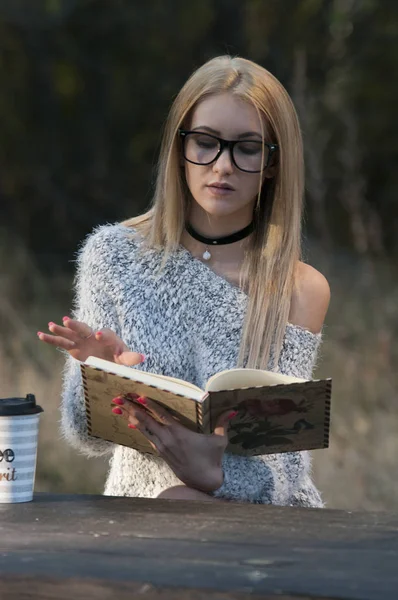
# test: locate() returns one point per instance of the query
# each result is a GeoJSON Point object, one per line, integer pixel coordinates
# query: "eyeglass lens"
{"type": "Point", "coordinates": [202, 149]}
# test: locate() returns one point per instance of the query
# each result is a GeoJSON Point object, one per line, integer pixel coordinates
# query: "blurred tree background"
{"type": "Point", "coordinates": [85, 87]}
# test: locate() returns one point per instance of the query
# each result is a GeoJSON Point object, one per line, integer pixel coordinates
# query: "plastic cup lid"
{"type": "Point", "coordinates": [12, 407]}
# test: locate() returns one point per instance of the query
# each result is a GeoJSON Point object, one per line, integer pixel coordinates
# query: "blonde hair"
{"type": "Point", "coordinates": [274, 248]}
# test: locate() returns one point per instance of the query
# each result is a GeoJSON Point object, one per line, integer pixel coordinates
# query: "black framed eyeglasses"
{"type": "Point", "coordinates": [251, 156]}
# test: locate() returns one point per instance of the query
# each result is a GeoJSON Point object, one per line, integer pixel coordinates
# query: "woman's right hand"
{"type": "Point", "coordinates": [81, 341]}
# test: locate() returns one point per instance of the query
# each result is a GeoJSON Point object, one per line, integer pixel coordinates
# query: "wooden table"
{"type": "Point", "coordinates": [77, 547]}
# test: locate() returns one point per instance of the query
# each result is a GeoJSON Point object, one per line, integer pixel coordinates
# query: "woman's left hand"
{"type": "Point", "coordinates": [195, 458]}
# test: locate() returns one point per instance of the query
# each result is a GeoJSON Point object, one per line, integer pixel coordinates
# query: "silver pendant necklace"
{"type": "Point", "coordinates": [206, 254]}
{"type": "Point", "coordinates": [226, 239]}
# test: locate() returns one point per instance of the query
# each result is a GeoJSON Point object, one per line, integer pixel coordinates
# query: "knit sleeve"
{"type": "Point", "coordinates": [92, 305]}
{"type": "Point", "coordinates": [283, 479]}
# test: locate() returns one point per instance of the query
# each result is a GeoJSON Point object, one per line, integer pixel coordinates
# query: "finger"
{"type": "Point", "coordinates": [130, 411]}
{"type": "Point", "coordinates": [223, 422]}
{"type": "Point", "coordinates": [62, 331]}
{"type": "Point", "coordinates": [56, 340]}
{"type": "Point", "coordinates": [82, 329]}
{"type": "Point", "coordinates": [107, 337]}
{"type": "Point", "coordinates": [158, 435]}
{"type": "Point", "coordinates": [156, 409]}
{"type": "Point", "coordinates": [126, 410]}
{"type": "Point", "coordinates": [128, 358]}
{"type": "Point", "coordinates": [139, 418]}
{"type": "Point", "coordinates": [152, 438]}
{"type": "Point", "coordinates": [144, 420]}
{"type": "Point", "coordinates": [121, 352]}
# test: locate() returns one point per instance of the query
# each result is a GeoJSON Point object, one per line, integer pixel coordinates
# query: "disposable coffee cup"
{"type": "Point", "coordinates": [19, 428]}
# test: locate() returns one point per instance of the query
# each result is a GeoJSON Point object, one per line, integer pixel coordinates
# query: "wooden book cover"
{"type": "Point", "coordinates": [271, 418]}
{"type": "Point", "coordinates": [274, 418]}
{"type": "Point", "coordinates": [100, 387]}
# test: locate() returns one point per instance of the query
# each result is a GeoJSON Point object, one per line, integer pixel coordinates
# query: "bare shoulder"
{"type": "Point", "coordinates": [310, 300]}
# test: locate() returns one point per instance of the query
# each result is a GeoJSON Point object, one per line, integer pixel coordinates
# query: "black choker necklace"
{"type": "Point", "coordinates": [227, 239]}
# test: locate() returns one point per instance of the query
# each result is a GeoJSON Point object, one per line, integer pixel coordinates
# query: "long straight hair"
{"type": "Point", "coordinates": [274, 249]}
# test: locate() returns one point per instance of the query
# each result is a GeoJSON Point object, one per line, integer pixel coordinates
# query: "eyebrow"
{"type": "Point", "coordinates": [215, 132]}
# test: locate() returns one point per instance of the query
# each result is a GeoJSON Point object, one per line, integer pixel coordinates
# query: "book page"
{"type": "Point", "coordinates": [242, 378]}
{"type": "Point", "coordinates": [171, 384]}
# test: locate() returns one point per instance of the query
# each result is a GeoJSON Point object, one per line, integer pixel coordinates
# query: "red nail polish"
{"type": "Point", "coordinates": [51, 323]}
{"type": "Point", "coordinates": [65, 318]}
{"type": "Point", "coordinates": [98, 334]}
{"type": "Point", "coordinates": [132, 426]}
{"type": "Point", "coordinates": [117, 411]}
{"type": "Point", "coordinates": [142, 400]}
{"type": "Point", "coordinates": [40, 333]}
{"type": "Point", "coordinates": [143, 357]}
{"type": "Point", "coordinates": [118, 400]}
{"type": "Point", "coordinates": [232, 415]}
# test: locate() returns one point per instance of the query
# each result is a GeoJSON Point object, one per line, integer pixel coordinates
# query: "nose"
{"type": "Point", "coordinates": [224, 163]}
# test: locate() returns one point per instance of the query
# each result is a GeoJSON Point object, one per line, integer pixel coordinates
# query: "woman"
{"type": "Point", "coordinates": [210, 278]}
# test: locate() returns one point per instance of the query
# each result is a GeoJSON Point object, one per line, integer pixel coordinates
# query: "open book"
{"type": "Point", "coordinates": [276, 413]}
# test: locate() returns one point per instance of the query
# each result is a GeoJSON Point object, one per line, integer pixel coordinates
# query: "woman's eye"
{"type": "Point", "coordinates": [206, 143]}
{"type": "Point", "coordinates": [249, 148]}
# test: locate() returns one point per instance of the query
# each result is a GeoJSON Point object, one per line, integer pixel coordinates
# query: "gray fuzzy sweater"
{"type": "Point", "coordinates": [188, 323]}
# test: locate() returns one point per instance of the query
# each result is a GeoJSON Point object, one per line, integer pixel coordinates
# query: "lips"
{"type": "Point", "coordinates": [221, 186]}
